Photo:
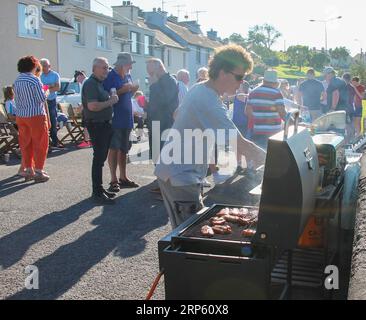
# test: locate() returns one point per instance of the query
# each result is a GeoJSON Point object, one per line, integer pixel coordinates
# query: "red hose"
{"type": "Point", "coordinates": [154, 286]}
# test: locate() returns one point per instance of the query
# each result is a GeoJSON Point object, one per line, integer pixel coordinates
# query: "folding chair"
{"type": "Point", "coordinates": [75, 132]}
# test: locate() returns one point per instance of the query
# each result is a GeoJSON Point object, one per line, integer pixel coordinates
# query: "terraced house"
{"type": "Point", "coordinates": [70, 34]}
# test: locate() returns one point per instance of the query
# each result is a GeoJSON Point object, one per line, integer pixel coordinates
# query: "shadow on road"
{"type": "Point", "coordinates": [12, 185]}
{"type": "Point", "coordinates": [120, 229]}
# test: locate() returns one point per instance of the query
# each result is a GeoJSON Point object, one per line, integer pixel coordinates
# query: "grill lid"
{"type": "Point", "coordinates": [289, 186]}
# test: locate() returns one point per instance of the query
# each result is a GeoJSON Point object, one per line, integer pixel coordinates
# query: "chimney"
{"type": "Point", "coordinates": [173, 18]}
{"type": "Point", "coordinates": [127, 10]}
{"type": "Point", "coordinates": [192, 26]}
{"type": "Point", "coordinates": [157, 17]}
{"type": "Point", "coordinates": [212, 35]}
{"type": "Point", "coordinates": [80, 3]}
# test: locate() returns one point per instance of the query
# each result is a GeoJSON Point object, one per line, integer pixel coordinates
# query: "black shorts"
{"type": "Point", "coordinates": [121, 140]}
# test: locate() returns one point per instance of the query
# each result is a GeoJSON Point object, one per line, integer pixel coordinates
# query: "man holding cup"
{"type": "Point", "coordinates": [119, 80]}
{"type": "Point", "coordinates": [97, 108]}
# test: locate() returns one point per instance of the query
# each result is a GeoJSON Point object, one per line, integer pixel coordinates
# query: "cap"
{"type": "Point", "coordinates": [123, 59]}
{"type": "Point", "coordinates": [271, 76]}
{"type": "Point", "coordinates": [328, 70]}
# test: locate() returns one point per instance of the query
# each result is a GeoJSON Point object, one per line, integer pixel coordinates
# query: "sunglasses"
{"type": "Point", "coordinates": [238, 77]}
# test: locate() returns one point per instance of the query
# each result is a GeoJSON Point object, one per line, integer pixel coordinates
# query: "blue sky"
{"type": "Point", "coordinates": [291, 18]}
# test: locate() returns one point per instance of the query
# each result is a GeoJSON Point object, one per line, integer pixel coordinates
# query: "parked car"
{"type": "Point", "coordinates": [69, 93]}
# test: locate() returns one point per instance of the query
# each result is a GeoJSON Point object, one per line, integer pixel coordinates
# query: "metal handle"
{"type": "Point", "coordinates": [296, 114]}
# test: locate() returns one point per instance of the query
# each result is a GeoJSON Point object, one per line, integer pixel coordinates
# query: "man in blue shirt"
{"type": "Point", "coordinates": [52, 80]}
{"type": "Point", "coordinates": [311, 93]}
{"type": "Point", "coordinates": [119, 79]}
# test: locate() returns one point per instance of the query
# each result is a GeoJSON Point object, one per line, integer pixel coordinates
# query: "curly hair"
{"type": "Point", "coordinates": [229, 57]}
{"type": "Point", "coordinates": [27, 64]}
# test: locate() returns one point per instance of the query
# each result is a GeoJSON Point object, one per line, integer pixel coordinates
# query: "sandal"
{"type": "Point", "coordinates": [127, 184]}
{"type": "Point", "coordinates": [114, 187]}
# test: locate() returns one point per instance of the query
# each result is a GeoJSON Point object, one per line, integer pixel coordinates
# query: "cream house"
{"type": "Point", "coordinates": [93, 36]}
{"type": "Point", "coordinates": [141, 41]}
{"type": "Point", "coordinates": [27, 29]}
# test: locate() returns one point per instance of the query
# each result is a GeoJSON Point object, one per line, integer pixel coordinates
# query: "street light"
{"type": "Point", "coordinates": [361, 44]}
{"type": "Point", "coordinates": [325, 27]}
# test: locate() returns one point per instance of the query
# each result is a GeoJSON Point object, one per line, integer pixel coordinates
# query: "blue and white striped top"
{"type": "Point", "coordinates": [29, 96]}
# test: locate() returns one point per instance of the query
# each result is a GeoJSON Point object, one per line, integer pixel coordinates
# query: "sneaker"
{"type": "Point", "coordinates": [84, 144]}
{"type": "Point", "coordinates": [220, 178]}
{"type": "Point", "coordinates": [114, 187]}
{"type": "Point", "coordinates": [205, 183]}
{"type": "Point", "coordinates": [102, 200]}
{"type": "Point", "coordinates": [110, 195]}
{"type": "Point", "coordinates": [41, 177]}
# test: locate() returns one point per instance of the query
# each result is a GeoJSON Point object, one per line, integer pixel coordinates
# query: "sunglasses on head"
{"type": "Point", "coordinates": [238, 77]}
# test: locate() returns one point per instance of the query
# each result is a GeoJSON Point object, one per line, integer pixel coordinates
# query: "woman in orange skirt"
{"type": "Point", "coordinates": [31, 118]}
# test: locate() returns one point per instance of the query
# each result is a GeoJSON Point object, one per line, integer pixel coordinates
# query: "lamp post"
{"type": "Point", "coordinates": [361, 53]}
{"type": "Point", "coordinates": [325, 27]}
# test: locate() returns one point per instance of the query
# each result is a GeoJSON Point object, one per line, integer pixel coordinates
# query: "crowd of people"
{"type": "Point", "coordinates": [112, 102]}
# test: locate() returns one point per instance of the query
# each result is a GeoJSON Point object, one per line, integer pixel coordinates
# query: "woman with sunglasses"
{"type": "Point", "coordinates": [202, 111]}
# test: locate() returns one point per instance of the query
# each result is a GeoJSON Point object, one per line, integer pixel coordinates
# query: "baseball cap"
{"type": "Point", "coordinates": [124, 58]}
{"type": "Point", "coordinates": [328, 70]}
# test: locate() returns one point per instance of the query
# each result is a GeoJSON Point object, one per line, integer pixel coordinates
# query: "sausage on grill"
{"type": "Point", "coordinates": [216, 221]}
{"type": "Point", "coordinates": [207, 231]}
{"type": "Point", "coordinates": [223, 212]}
{"type": "Point", "coordinates": [222, 230]}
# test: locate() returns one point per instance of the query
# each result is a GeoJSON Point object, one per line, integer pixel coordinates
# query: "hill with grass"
{"type": "Point", "coordinates": [293, 73]}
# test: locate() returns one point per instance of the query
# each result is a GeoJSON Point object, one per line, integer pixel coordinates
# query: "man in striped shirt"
{"type": "Point", "coordinates": [266, 108]}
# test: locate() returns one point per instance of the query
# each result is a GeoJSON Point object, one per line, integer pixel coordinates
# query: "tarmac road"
{"type": "Point", "coordinates": [81, 251]}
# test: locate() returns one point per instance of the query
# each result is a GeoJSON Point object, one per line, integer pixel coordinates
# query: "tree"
{"type": "Point", "coordinates": [318, 60]}
{"type": "Point", "coordinates": [359, 69]}
{"type": "Point", "coordinates": [340, 56]}
{"type": "Point", "coordinates": [298, 55]}
{"type": "Point", "coordinates": [238, 39]}
{"type": "Point", "coordinates": [263, 36]}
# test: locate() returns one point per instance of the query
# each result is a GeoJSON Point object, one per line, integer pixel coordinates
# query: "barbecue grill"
{"type": "Point", "coordinates": [268, 264]}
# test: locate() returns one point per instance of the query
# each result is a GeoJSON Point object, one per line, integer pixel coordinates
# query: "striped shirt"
{"type": "Point", "coordinates": [29, 96]}
{"type": "Point", "coordinates": [265, 102]}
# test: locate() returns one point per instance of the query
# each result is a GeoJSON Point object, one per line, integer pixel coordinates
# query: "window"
{"type": "Point", "coordinates": [148, 41]}
{"type": "Point", "coordinates": [28, 20]}
{"type": "Point", "coordinates": [77, 27]}
{"type": "Point", "coordinates": [102, 36]}
{"type": "Point", "coordinates": [198, 55]}
{"type": "Point", "coordinates": [169, 57]}
{"type": "Point", "coordinates": [135, 42]}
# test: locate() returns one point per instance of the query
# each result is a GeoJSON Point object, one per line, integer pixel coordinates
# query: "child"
{"type": "Point", "coordinates": [138, 103]}
{"type": "Point", "coordinates": [10, 102]}
{"type": "Point", "coordinates": [10, 107]}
